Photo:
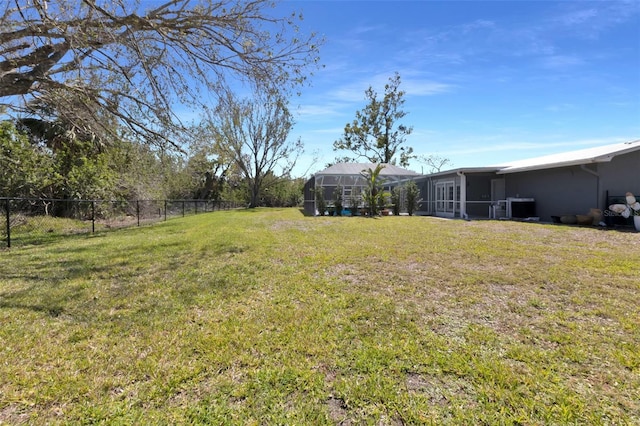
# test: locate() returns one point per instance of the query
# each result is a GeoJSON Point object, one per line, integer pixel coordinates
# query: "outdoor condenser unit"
{"type": "Point", "coordinates": [521, 207]}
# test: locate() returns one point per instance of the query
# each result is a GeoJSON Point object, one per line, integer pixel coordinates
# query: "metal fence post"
{"type": "Point", "coordinates": [182, 208]}
{"type": "Point", "coordinates": [8, 225]}
{"type": "Point", "coordinates": [138, 211]}
{"type": "Point", "coordinates": [93, 216]}
{"type": "Point", "coordinates": [165, 210]}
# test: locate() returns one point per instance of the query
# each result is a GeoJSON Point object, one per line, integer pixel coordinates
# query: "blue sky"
{"type": "Point", "coordinates": [486, 82]}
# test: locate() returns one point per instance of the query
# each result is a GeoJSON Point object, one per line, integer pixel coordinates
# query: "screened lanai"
{"type": "Point", "coordinates": [349, 178]}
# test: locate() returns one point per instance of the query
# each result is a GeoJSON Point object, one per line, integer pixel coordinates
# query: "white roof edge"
{"type": "Point", "coordinates": [600, 154]}
{"type": "Point", "coordinates": [462, 170]}
{"type": "Point", "coordinates": [510, 169]}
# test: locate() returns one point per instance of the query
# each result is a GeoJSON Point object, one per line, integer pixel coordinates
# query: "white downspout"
{"type": "Point", "coordinates": [463, 195]}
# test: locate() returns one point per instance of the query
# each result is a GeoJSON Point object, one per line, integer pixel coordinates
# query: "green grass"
{"type": "Point", "coordinates": [269, 317]}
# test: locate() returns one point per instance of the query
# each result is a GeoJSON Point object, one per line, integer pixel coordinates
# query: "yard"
{"type": "Point", "coordinates": [269, 317]}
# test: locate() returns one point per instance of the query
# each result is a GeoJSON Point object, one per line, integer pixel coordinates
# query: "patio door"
{"type": "Point", "coordinates": [445, 199]}
{"type": "Point", "coordinates": [497, 190]}
{"type": "Point", "coordinates": [498, 206]}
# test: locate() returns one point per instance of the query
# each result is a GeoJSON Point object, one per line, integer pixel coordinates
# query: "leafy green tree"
{"type": "Point", "coordinates": [144, 173]}
{"type": "Point", "coordinates": [52, 164]}
{"type": "Point", "coordinates": [375, 134]}
{"type": "Point", "coordinates": [47, 160]}
{"type": "Point", "coordinates": [208, 165]}
{"type": "Point", "coordinates": [80, 168]}
{"type": "Point", "coordinates": [282, 192]}
{"type": "Point", "coordinates": [82, 173]}
{"type": "Point", "coordinates": [26, 170]}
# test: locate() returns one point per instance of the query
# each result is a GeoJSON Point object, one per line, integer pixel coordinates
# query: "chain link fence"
{"type": "Point", "coordinates": [38, 220]}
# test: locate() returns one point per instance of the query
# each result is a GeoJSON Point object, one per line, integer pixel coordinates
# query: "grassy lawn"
{"type": "Point", "coordinates": [269, 317]}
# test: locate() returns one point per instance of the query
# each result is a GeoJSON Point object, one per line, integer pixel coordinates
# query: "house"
{"type": "Point", "coordinates": [348, 178]}
{"type": "Point", "coordinates": [460, 192]}
{"type": "Point", "coordinates": [570, 183]}
{"type": "Point", "coordinates": [554, 185]}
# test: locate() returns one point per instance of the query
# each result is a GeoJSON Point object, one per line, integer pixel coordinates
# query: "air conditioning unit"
{"type": "Point", "coordinates": [521, 208]}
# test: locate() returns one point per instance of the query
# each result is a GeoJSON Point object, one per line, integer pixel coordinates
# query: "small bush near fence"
{"type": "Point", "coordinates": [37, 220]}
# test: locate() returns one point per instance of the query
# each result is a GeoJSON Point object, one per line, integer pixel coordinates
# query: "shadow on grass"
{"type": "Point", "coordinates": [35, 299]}
{"type": "Point", "coordinates": [39, 237]}
{"type": "Point", "coordinates": [86, 282]}
{"type": "Point", "coordinates": [55, 281]}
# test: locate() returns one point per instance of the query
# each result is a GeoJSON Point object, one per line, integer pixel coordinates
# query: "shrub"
{"type": "Point", "coordinates": [413, 197]}
{"type": "Point", "coordinates": [321, 203]}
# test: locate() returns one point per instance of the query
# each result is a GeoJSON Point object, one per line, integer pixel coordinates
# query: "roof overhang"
{"type": "Point", "coordinates": [461, 170]}
{"type": "Point", "coordinates": [576, 158]}
{"type": "Point", "coordinates": [556, 165]}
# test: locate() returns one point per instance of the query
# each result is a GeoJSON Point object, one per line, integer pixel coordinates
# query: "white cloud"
{"type": "Point", "coordinates": [561, 107]}
{"type": "Point", "coordinates": [590, 21]}
{"type": "Point", "coordinates": [348, 93]}
{"type": "Point", "coordinates": [478, 24]}
{"type": "Point", "coordinates": [483, 145]}
{"type": "Point", "coordinates": [316, 110]}
{"type": "Point", "coordinates": [557, 62]}
{"type": "Point", "coordinates": [415, 87]}
{"type": "Point", "coordinates": [577, 17]}
{"type": "Point", "coordinates": [364, 29]}
{"type": "Point", "coordinates": [333, 131]}
{"type": "Point", "coordinates": [357, 38]}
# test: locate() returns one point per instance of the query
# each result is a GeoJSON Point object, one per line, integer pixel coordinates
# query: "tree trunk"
{"type": "Point", "coordinates": [255, 194]}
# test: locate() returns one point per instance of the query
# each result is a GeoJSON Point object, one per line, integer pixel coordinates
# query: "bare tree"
{"type": "Point", "coordinates": [101, 60]}
{"type": "Point", "coordinates": [434, 162]}
{"type": "Point", "coordinates": [255, 134]}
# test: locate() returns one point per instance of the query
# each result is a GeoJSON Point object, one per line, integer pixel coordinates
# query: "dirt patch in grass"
{"type": "Point", "coordinates": [13, 414]}
{"type": "Point", "coordinates": [439, 390]}
{"type": "Point", "coordinates": [338, 411]}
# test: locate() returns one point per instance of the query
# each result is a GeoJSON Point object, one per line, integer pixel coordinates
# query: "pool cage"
{"type": "Point", "coordinates": [348, 181]}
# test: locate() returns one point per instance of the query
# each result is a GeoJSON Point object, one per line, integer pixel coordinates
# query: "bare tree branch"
{"type": "Point", "coordinates": [434, 162]}
{"type": "Point", "coordinates": [255, 134]}
{"type": "Point", "coordinates": [147, 62]}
